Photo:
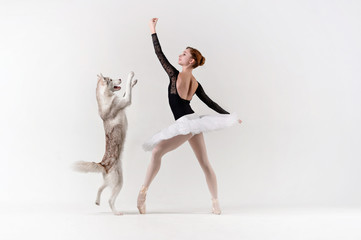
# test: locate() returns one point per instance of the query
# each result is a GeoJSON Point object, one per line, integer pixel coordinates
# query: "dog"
{"type": "Point", "coordinates": [111, 109]}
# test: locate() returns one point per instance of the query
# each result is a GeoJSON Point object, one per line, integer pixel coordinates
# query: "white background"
{"type": "Point", "coordinates": [290, 69]}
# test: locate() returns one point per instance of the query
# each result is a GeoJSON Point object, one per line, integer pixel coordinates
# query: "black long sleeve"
{"type": "Point", "coordinates": [179, 106]}
{"type": "Point", "coordinates": [203, 96]}
{"type": "Point", "coordinates": [169, 68]}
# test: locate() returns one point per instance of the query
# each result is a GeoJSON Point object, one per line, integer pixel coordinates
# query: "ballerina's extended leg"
{"type": "Point", "coordinates": [158, 152]}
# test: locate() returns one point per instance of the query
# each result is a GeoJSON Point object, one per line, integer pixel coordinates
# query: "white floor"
{"type": "Point", "coordinates": [65, 221]}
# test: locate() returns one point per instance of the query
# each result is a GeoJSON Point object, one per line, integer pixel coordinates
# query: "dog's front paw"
{"type": "Point", "coordinates": [134, 82]}
{"type": "Point", "coordinates": [131, 74]}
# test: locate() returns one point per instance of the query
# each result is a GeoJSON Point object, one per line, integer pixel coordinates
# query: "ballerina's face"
{"type": "Point", "coordinates": [185, 58]}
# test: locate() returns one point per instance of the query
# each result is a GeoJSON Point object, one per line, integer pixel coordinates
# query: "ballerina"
{"type": "Point", "coordinates": [188, 125]}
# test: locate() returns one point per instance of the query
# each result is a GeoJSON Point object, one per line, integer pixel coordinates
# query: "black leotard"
{"type": "Point", "coordinates": [178, 105]}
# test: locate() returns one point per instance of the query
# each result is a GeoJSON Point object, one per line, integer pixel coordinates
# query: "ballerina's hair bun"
{"type": "Point", "coordinates": [197, 56]}
{"type": "Point", "coordinates": [202, 61]}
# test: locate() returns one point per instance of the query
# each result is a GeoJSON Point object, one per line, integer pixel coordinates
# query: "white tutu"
{"type": "Point", "coordinates": [192, 123]}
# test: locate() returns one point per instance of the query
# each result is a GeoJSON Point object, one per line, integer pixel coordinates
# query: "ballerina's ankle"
{"type": "Point", "coordinates": [143, 189]}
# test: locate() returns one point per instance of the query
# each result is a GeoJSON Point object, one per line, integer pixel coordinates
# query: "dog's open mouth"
{"type": "Point", "coordinates": [117, 87]}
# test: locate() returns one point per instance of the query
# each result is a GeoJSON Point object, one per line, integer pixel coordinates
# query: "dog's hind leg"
{"type": "Point", "coordinates": [100, 190]}
{"type": "Point", "coordinates": [115, 191]}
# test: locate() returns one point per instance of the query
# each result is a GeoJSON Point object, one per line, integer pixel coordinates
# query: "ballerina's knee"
{"type": "Point", "coordinates": [157, 154]}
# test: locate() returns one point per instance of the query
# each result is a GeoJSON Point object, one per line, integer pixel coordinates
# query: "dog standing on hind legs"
{"type": "Point", "coordinates": [111, 109]}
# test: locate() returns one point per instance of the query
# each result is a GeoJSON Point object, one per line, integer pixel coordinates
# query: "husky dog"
{"type": "Point", "coordinates": [111, 109]}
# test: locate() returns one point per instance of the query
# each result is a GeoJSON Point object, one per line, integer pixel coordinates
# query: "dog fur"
{"type": "Point", "coordinates": [111, 109]}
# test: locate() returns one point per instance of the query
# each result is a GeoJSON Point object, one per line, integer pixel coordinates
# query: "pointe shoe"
{"type": "Point", "coordinates": [141, 199]}
{"type": "Point", "coordinates": [215, 206]}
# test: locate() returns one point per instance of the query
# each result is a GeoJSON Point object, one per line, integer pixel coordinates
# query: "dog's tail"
{"type": "Point", "coordinates": [85, 167]}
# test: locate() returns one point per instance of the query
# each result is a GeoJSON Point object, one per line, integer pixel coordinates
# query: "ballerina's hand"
{"type": "Point", "coordinates": [152, 24]}
{"type": "Point", "coordinates": [240, 121]}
